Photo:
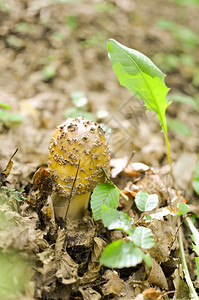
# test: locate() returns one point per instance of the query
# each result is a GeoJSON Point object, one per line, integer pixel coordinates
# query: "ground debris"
{"type": "Point", "coordinates": [94, 266]}
{"type": "Point", "coordinates": [114, 283]}
{"type": "Point", "coordinates": [89, 294]}
{"type": "Point", "coordinates": [156, 276]}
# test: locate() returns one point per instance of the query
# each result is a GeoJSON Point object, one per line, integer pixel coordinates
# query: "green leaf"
{"type": "Point", "coordinates": [178, 127]}
{"type": "Point", "coordinates": [184, 99]}
{"type": "Point", "coordinates": [195, 248]}
{"type": "Point", "coordinates": [194, 231]}
{"type": "Point", "coordinates": [137, 72]}
{"type": "Point", "coordinates": [79, 99]}
{"type": "Point", "coordinates": [6, 106]}
{"type": "Point", "coordinates": [142, 237]}
{"type": "Point", "coordinates": [147, 259]}
{"type": "Point", "coordinates": [104, 193]}
{"type": "Point", "coordinates": [124, 196]}
{"type": "Point", "coordinates": [48, 72]}
{"type": "Point", "coordinates": [8, 117]}
{"type": "Point", "coordinates": [183, 208]}
{"type": "Point", "coordinates": [114, 219]}
{"type": "Point", "coordinates": [15, 274]}
{"type": "Point", "coordinates": [196, 178]}
{"type": "Point", "coordinates": [146, 202]}
{"type": "Point", "coordinates": [121, 255]}
{"type": "Point", "coordinates": [74, 112]}
{"type": "Point", "coordinates": [148, 217]}
{"type": "Point", "coordinates": [197, 266]}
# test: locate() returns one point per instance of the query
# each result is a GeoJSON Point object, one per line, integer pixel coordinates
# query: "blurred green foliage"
{"type": "Point", "coordinates": [182, 33]}
{"type": "Point", "coordinates": [15, 275]}
{"type": "Point", "coordinates": [187, 2]}
{"type": "Point", "coordinates": [5, 7]}
{"type": "Point", "coordinates": [178, 127]}
{"type": "Point", "coordinates": [7, 118]}
{"type": "Point", "coordinates": [14, 41]}
{"type": "Point", "coordinates": [79, 107]}
{"type": "Point", "coordinates": [15, 266]}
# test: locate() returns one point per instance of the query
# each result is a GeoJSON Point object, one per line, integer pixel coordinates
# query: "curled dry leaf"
{"type": "Point", "coordinates": [114, 283]}
{"type": "Point", "coordinates": [157, 276]}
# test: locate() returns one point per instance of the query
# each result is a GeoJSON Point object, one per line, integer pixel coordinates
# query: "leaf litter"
{"type": "Point", "coordinates": [75, 272]}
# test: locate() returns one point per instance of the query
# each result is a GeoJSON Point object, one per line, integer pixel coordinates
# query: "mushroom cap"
{"type": "Point", "coordinates": [78, 140]}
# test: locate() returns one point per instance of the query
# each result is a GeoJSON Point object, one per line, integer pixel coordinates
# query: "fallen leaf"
{"type": "Point", "coordinates": [90, 294]}
{"type": "Point", "coordinates": [157, 276]}
{"type": "Point", "coordinates": [181, 287]}
{"type": "Point", "coordinates": [94, 266]}
{"type": "Point", "coordinates": [164, 235]}
{"type": "Point", "coordinates": [114, 283]}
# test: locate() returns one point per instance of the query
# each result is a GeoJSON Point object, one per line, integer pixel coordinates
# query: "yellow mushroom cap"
{"type": "Point", "coordinates": [78, 140]}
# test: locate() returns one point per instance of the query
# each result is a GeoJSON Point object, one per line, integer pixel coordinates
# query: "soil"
{"type": "Point", "coordinates": [52, 49]}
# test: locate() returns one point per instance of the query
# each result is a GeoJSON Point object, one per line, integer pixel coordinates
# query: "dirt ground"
{"type": "Point", "coordinates": [52, 49]}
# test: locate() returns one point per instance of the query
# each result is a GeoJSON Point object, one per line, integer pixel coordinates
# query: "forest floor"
{"type": "Point", "coordinates": [50, 52]}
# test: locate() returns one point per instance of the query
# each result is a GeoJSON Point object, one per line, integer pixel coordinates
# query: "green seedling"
{"type": "Point", "coordinates": [183, 34]}
{"type": "Point", "coordinates": [196, 178]}
{"type": "Point", "coordinates": [49, 72]}
{"type": "Point", "coordinates": [137, 72]}
{"type": "Point", "coordinates": [7, 118]}
{"type": "Point", "coordinates": [127, 252]}
{"type": "Point", "coordinates": [79, 107]}
{"type": "Point", "coordinates": [187, 2]}
{"type": "Point", "coordinates": [180, 98]}
{"type": "Point", "coordinates": [5, 7]}
{"type": "Point", "coordinates": [71, 21]}
{"type": "Point", "coordinates": [14, 41]}
{"type": "Point", "coordinates": [178, 127]}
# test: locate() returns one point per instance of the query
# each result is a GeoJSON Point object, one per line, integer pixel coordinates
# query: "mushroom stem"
{"type": "Point", "coordinates": [77, 207]}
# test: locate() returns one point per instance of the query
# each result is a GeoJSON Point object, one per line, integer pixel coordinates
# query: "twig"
{"type": "Point", "coordinates": [71, 192]}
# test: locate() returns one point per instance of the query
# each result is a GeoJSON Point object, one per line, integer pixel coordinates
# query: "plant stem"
{"type": "Point", "coordinates": [168, 153]}
{"type": "Point", "coordinates": [185, 268]}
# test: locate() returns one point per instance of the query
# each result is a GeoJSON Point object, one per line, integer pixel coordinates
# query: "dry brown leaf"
{"type": "Point", "coordinates": [157, 276]}
{"type": "Point", "coordinates": [114, 283]}
{"type": "Point", "coordinates": [67, 269]}
{"type": "Point", "coordinates": [149, 294]}
{"type": "Point", "coordinates": [19, 231]}
{"type": "Point", "coordinates": [94, 265]}
{"type": "Point", "coordinates": [164, 235]}
{"type": "Point", "coordinates": [90, 294]}
{"type": "Point", "coordinates": [181, 288]}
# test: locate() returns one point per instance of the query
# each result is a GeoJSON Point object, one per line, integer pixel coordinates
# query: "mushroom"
{"type": "Point", "coordinates": [78, 155]}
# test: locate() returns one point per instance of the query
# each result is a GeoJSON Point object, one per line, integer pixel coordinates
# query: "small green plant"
{"type": "Point", "coordinates": [137, 72]}
{"type": "Point", "coordinates": [178, 127]}
{"type": "Point", "coordinates": [182, 33]}
{"type": "Point", "coordinates": [16, 266]}
{"type": "Point", "coordinates": [7, 118]}
{"type": "Point", "coordinates": [14, 41]}
{"type": "Point", "coordinates": [196, 178]}
{"type": "Point", "coordinates": [187, 2]}
{"type": "Point", "coordinates": [79, 107]}
{"type": "Point", "coordinates": [127, 252]}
